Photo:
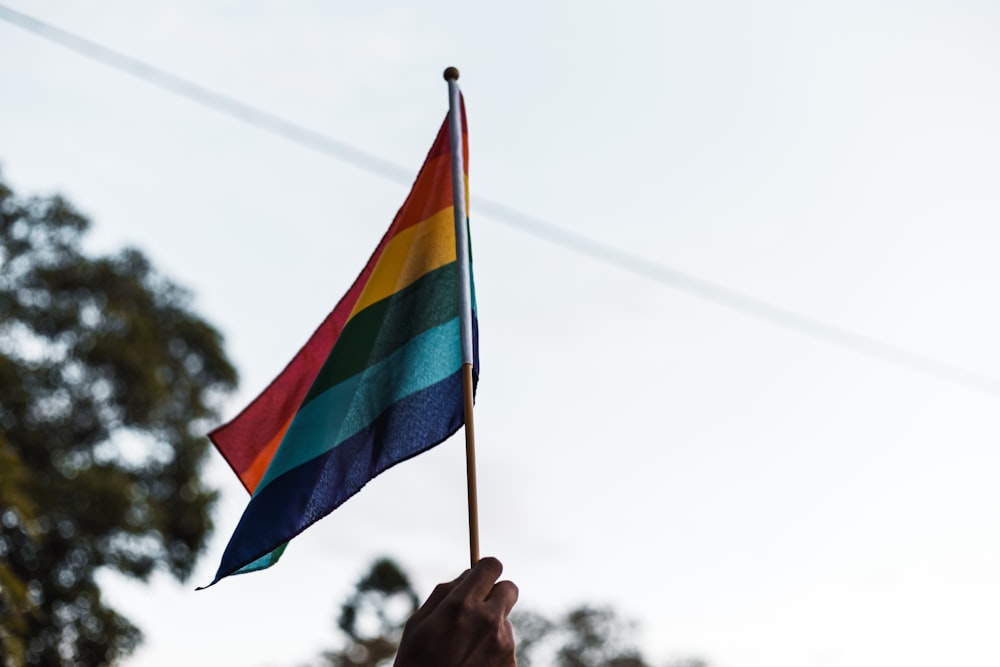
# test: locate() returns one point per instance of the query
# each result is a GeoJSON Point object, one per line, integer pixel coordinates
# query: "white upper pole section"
{"type": "Point", "coordinates": [461, 214]}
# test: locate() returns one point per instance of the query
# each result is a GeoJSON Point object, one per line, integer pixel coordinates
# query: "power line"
{"type": "Point", "coordinates": [622, 259]}
{"type": "Point", "coordinates": [743, 303]}
{"type": "Point", "coordinates": [209, 98]}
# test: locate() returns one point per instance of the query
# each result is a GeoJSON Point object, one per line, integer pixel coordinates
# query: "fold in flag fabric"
{"type": "Point", "coordinates": [377, 383]}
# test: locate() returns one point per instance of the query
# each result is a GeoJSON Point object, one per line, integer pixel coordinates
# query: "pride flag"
{"type": "Point", "coordinates": [377, 383]}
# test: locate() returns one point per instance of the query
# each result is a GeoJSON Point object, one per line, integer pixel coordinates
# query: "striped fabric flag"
{"type": "Point", "coordinates": [377, 383]}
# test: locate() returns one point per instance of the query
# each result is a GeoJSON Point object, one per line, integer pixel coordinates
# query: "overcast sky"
{"type": "Point", "coordinates": [752, 495]}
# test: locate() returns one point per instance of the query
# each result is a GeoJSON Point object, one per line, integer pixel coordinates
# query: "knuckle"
{"type": "Point", "coordinates": [491, 563]}
{"type": "Point", "coordinates": [509, 588]}
{"type": "Point", "coordinates": [506, 637]}
{"type": "Point", "coordinates": [469, 607]}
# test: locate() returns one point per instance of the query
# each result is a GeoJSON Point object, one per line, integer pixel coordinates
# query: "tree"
{"type": "Point", "coordinates": [596, 637]}
{"type": "Point", "coordinates": [531, 631]}
{"type": "Point", "coordinates": [585, 636]}
{"type": "Point", "coordinates": [107, 384]}
{"type": "Point", "coordinates": [15, 605]}
{"type": "Point", "coordinates": [372, 617]}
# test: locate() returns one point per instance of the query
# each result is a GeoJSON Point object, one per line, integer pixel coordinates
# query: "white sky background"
{"type": "Point", "coordinates": [751, 495]}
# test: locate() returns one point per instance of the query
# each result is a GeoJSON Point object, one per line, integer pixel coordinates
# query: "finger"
{"type": "Point", "coordinates": [503, 596]}
{"type": "Point", "coordinates": [480, 579]}
{"type": "Point", "coordinates": [439, 593]}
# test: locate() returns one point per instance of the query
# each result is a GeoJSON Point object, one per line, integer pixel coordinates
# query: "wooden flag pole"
{"type": "Point", "coordinates": [464, 296]}
{"type": "Point", "coordinates": [470, 465]}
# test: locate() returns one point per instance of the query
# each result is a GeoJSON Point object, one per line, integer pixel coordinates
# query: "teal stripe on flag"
{"type": "Point", "coordinates": [264, 562]}
{"type": "Point", "coordinates": [346, 408]}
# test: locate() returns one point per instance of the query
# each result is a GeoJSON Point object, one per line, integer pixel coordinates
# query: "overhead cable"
{"type": "Point", "coordinates": [499, 212]}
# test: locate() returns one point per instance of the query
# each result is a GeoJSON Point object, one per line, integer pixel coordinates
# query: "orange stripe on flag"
{"type": "Point", "coordinates": [251, 476]}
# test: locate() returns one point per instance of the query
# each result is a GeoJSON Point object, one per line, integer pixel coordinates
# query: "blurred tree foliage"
{"type": "Point", "coordinates": [585, 636]}
{"type": "Point", "coordinates": [372, 618]}
{"type": "Point", "coordinates": [107, 384]}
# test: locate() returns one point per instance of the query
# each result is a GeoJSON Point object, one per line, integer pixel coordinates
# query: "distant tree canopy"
{"type": "Point", "coordinates": [371, 621]}
{"type": "Point", "coordinates": [107, 383]}
{"type": "Point", "coordinates": [372, 617]}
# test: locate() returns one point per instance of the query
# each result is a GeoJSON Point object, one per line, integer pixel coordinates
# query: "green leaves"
{"type": "Point", "coordinates": [106, 381]}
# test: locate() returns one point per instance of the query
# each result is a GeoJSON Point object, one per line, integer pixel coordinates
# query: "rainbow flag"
{"type": "Point", "coordinates": [377, 383]}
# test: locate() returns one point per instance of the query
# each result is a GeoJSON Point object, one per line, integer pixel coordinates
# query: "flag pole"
{"type": "Point", "coordinates": [464, 297]}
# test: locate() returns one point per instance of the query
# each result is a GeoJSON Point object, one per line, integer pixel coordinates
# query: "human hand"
{"type": "Point", "coordinates": [463, 623]}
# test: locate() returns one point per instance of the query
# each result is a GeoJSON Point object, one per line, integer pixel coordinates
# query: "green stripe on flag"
{"type": "Point", "coordinates": [385, 326]}
{"type": "Point", "coordinates": [346, 408]}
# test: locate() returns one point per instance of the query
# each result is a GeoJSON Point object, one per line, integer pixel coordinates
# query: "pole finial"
{"type": "Point", "coordinates": [451, 74]}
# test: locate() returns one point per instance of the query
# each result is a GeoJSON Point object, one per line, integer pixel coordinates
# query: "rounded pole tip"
{"type": "Point", "coordinates": [451, 74]}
